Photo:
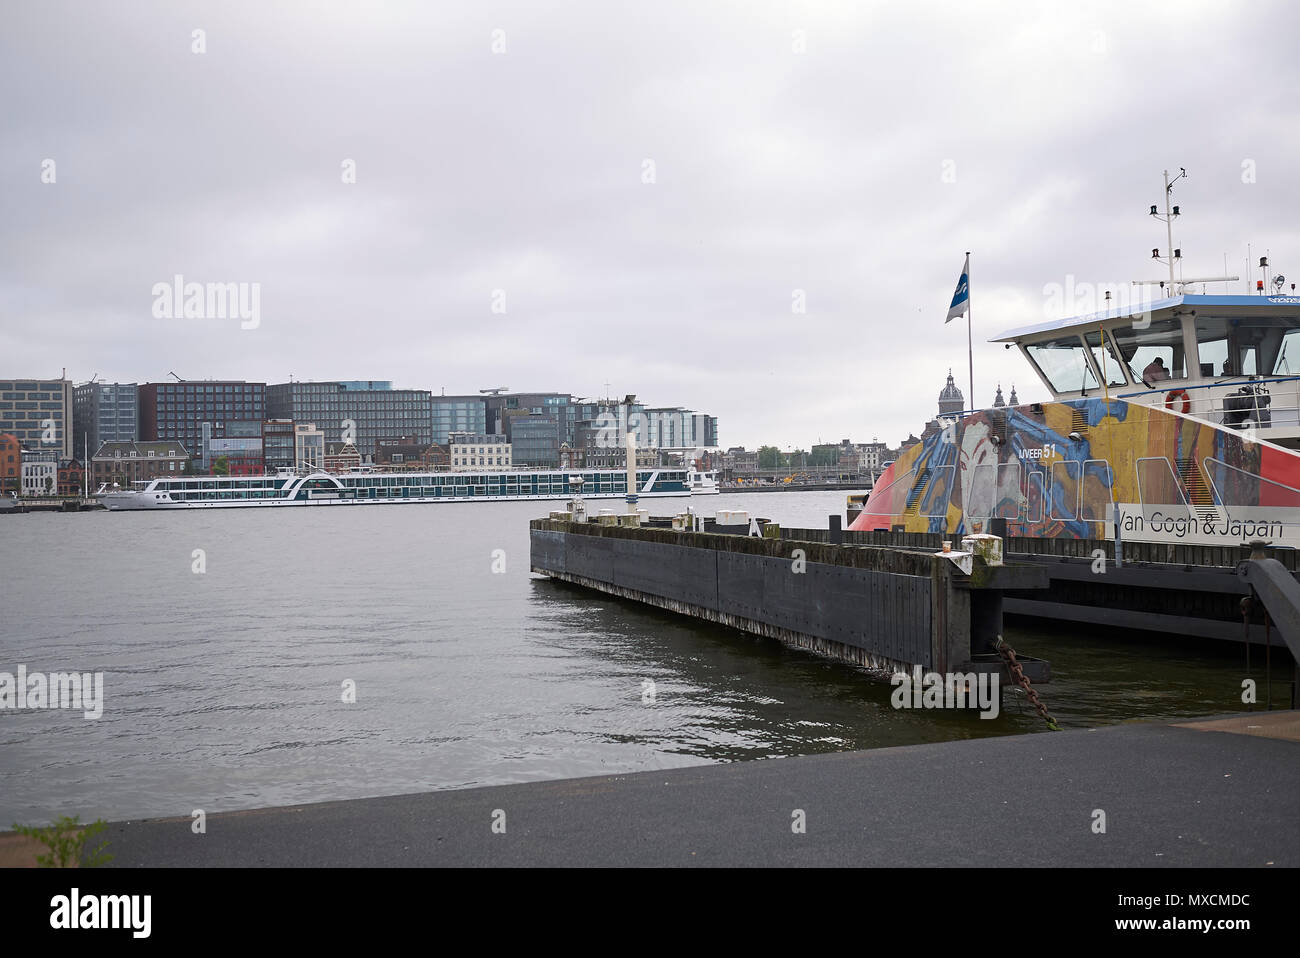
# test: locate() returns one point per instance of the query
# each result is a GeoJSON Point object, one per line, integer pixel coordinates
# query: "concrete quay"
{"type": "Point", "coordinates": [1219, 792]}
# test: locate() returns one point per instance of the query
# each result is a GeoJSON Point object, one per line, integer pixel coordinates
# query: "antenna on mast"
{"type": "Point", "coordinates": [1174, 255]}
{"type": "Point", "coordinates": [1171, 254]}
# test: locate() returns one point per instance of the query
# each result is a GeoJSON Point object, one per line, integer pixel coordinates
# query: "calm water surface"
{"type": "Point", "coordinates": [223, 689]}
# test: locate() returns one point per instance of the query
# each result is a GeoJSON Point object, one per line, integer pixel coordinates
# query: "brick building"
{"type": "Point", "coordinates": [71, 477]}
{"type": "Point", "coordinates": [400, 452]}
{"type": "Point", "coordinates": [11, 462]}
{"type": "Point", "coordinates": [128, 462]}
{"type": "Point", "coordinates": [341, 457]}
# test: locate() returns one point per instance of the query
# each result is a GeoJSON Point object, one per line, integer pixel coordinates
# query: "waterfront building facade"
{"type": "Point", "coordinates": [71, 477]}
{"type": "Point", "coordinates": [128, 462]}
{"type": "Point", "coordinates": [480, 451]}
{"type": "Point", "coordinates": [38, 412]}
{"type": "Point", "coordinates": [11, 463]}
{"type": "Point", "coordinates": [308, 447]}
{"type": "Point", "coordinates": [666, 428]}
{"type": "Point", "coordinates": [279, 444]}
{"type": "Point", "coordinates": [40, 475]}
{"type": "Point", "coordinates": [607, 421]}
{"type": "Point", "coordinates": [739, 461]}
{"type": "Point", "coordinates": [872, 456]}
{"type": "Point", "coordinates": [534, 440]}
{"type": "Point", "coordinates": [177, 412]}
{"type": "Point", "coordinates": [341, 457]}
{"type": "Point", "coordinates": [359, 412]}
{"type": "Point", "coordinates": [460, 414]}
{"type": "Point", "coordinates": [593, 456]}
{"type": "Point", "coordinates": [104, 412]}
{"type": "Point", "coordinates": [400, 452]}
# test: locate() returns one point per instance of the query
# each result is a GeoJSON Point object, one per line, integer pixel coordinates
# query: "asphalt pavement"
{"type": "Point", "coordinates": [1221, 793]}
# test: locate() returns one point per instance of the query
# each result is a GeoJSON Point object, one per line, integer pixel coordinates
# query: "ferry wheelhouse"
{"type": "Point", "coordinates": [1178, 422]}
{"type": "Point", "coordinates": [375, 488]}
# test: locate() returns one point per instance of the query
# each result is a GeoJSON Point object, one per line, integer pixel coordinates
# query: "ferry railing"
{"type": "Point", "coordinates": [1264, 402]}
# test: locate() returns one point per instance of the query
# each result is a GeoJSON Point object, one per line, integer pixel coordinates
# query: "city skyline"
{"type": "Point", "coordinates": [678, 208]}
{"type": "Point", "coordinates": [805, 443]}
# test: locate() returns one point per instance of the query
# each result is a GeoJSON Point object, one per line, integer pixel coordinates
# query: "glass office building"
{"type": "Point", "coordinates": [177, 411]}
{"type": "Point", "coordinates": [359, 411]}
{"type": "Point", "coordinates": [458, 414]}
{"type": "Point", "coordinates": [104, 412]}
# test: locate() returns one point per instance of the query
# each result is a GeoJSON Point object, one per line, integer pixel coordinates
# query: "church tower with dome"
{"type": "Point", "coordinates": [951, 401]}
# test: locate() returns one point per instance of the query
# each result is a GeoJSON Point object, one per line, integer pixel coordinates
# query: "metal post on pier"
{"type": "Point", "coordinates": [631, 473]}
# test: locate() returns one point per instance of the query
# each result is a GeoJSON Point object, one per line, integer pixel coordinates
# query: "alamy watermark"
{"type": "Point", "coordinates": [947, 690]}
{"type": "Point", "coordinates": [1075, 298]}
{"type": "Point", "coordinates": [58, 690]}
{"type": "Point", "coordinates": [181, 300]}
{"type": "Point", "coordinates": [75, 911]}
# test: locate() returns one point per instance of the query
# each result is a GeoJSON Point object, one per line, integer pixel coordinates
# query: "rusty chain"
{"type": "Point", "coordinates": [1018, 676]}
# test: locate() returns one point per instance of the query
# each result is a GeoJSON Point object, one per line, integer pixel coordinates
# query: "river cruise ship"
{"type": "Point", "coordinates": [378, 488]}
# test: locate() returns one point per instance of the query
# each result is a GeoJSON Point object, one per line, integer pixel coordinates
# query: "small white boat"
{"type": "Point", "coordinates": [703, 483]}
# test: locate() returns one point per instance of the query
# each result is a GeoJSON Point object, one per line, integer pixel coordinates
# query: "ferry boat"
{"type": "Point", "coordinates": [380, 488]}
{"type": "Point", "coordinates": [1178, 422]}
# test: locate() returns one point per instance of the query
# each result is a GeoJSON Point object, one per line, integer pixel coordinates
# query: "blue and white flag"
{"type": "Point", "coordinates": [961, 298]}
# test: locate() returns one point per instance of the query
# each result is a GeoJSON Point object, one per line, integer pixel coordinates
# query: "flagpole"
{"type": "Point", "coordinates": [970, 348]}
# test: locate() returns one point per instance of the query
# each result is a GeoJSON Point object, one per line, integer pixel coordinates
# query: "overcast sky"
{"type": "Point", "coordinates": [852, 151]}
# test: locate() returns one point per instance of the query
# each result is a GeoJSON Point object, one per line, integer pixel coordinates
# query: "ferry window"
{"type": "Point", "coordinates": [1220, 352]}
{"type": "Point", "coordinates": [1063, 364]}
{"type": "Point", "coordinates": [1248, 347]}
{"type": "Point", "coordinates": [979, 500]}
{"type": "Point", "coordinates": [1008, 504]}
{"type": "Point", "coordinates": [1095, 491]}
{"type": "Point", "coordinates": [1287, 349]}
{"type": "Point", "coordinates": [940, 491]}
{"type": "Point", "coordinates": [1105, 359]}
{"type": "Point", "coordinates": [1034, 497]}
{"type": "Point", "coordinates": [1237, 487]}
{"type": "Point", "coordinates": [1158, 489]}
{"type": "Point", "coordinates": [892, 499]}
{"type": "Point", "coordinates": [1147, 351]}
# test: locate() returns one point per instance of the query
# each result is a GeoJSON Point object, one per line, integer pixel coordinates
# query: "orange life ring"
{"type": "Point", "coordinates": [1172, 397]}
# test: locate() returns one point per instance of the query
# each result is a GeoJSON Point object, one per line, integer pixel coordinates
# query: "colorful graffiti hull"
{"type": "Point", "coordinates": [1069, 469]}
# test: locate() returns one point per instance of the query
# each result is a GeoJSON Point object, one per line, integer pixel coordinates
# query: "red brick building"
{"type": "Point", "coordinates": [436, 458]}
{"type": "Point", "coordinates": [405, 452]}
{"type": "Point", "coordinates": [72, 475]}
{"type": "Point", "coordinates": [11, 463]}
{"type": "Point", "coordinates": [341, 457]}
